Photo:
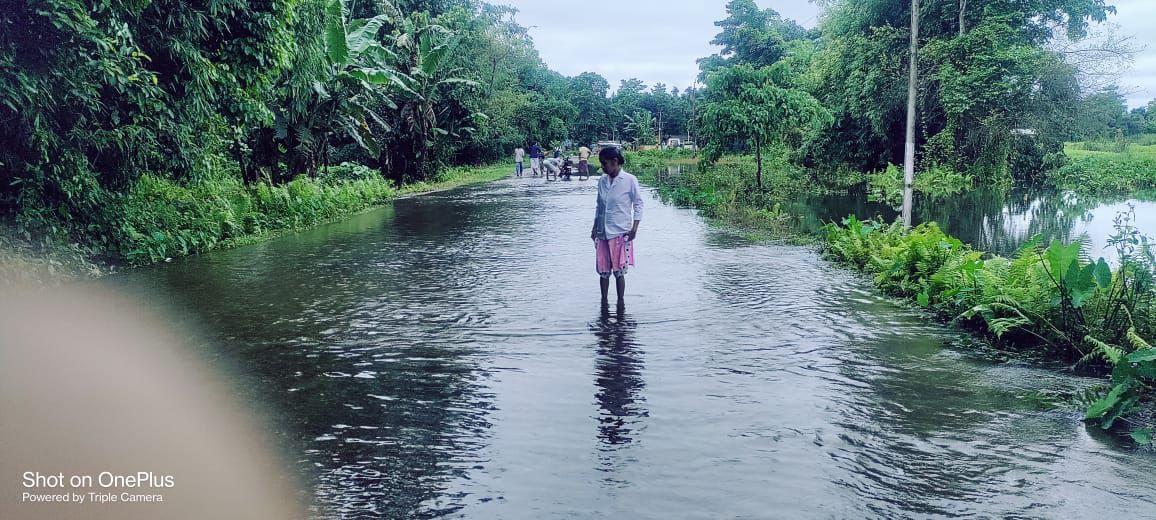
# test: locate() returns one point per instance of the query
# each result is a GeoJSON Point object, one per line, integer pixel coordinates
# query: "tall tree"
{"type": "Point", "coordinates": [979, 85]}
{"type": "Point", "coordinates": [588, 94]}
{"type": "Point", "coordinates": [750, 35]}
{"type": "Point", "coordinates": [749, 105]}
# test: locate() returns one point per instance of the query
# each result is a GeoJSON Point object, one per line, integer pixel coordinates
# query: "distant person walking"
{"type": "Point", "coordinates": [583, 160]}
{"type": "Point", "coordinates": [618, 211]}
{"type": "Point", "coordinates": [535, 159]}
{"type": "Point", "coordinates": [519, 154]}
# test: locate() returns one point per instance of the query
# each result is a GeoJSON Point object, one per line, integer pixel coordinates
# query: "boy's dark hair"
{"type": "Point", "coordinates": [611, 152]}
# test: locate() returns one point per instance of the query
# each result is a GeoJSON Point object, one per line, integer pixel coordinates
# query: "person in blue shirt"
{"type": "Point", "coordinates": [535, 159]}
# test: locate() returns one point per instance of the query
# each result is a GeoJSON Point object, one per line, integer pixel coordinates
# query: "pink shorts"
{"type": "Point", "coordinates": [613, 256]}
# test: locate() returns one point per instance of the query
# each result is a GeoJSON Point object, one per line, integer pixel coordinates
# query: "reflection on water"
{"type": "Point", "coordinates": [998, 221]}
{"type": "Point", "coordinates": [619, 377]}
{"type": "Point", "coordinates": [993, 220]}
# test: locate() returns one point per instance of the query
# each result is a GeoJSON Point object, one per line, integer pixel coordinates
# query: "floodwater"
{"type": "Point", "coordinates": [448, 357]}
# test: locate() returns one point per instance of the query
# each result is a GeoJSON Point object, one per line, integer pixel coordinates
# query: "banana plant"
{"type": "Point", "coordinates": [640, 126]}
{"type": "Point", "coordinates": [423, 48]}
{"type": "Point", "coordinates": [360, 76]}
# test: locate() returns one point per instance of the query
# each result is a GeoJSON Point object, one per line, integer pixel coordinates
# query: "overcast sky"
{"type": "Point", "coordinates": [658, 41]}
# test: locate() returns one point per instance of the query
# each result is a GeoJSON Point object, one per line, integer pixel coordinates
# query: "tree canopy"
{"type": "Point", "coordinates": [95, 95]}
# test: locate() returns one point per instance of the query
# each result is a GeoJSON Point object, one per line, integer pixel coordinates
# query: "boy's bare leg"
{"type": "Point", "coordinates": [620, 286]}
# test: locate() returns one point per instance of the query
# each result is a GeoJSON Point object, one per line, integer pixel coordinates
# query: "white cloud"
{"type": "Point", "coordinates": [656, 41]}
{"type": "Point", "coordinates": [1138, 18]}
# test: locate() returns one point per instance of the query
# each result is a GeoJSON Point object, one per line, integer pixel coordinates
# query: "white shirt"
{"type": "Point", "coordinates": [518, 154]}
{"type": "Point", "coordinates": [619, 205]}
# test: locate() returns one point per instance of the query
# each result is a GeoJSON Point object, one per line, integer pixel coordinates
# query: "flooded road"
{"type": "Point", "coordinates": [447, 357]}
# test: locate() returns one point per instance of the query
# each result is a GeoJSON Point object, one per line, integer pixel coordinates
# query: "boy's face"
{"type": "Point", "coordinates": [610, 166]}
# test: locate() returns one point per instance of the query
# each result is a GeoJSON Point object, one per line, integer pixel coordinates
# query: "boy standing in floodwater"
{"type": "Point", "coordinates": [616, 217]}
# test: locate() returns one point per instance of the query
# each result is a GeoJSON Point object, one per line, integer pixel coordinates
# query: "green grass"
{"type": "Point", "coordinates": [640, 160]}
{"type": "Point", "coordinates": [1137, 147]}
{"type": "Point", "coordinates": [1107, 168]}
{"type": "Point", "coordinates": [458, 176]}
{"type": "Point", "coordinates": [727, 192]}
{"type": "Point", "coordinates": [166, 219]}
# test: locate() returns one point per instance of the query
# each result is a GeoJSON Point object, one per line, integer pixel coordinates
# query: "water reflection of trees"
{"type": "Point", "coordinates": [618, 374]}
{"type": "Point", "coordinates": [994, 220]}
{"type": "Point", "coordinates": [1002, 221]}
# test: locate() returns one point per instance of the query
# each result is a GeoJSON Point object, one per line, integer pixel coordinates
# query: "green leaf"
{"type": "Point", "coordinates": [373, 76]}
{"type": "Point", "coordinates": [433, 55]}
{"type": "Point", "coordinates": [1118, 412]}
{"type": "Point", "coordinates": [1082, 284]}
{"type": "Point", "coordinates": [365, 33]}
{"type": "Point", "coordinates": [335, 38]}
{"type": "Point", "coordinates": [1060, 258]}
{"type": "Point", "coordinates": [1101, 407]}
{"type": "Point", "coordinates": [1103, 274]}
{"type": "Point", "coordinates": [377, 55]}
{"type": "Point", "coordinates": [924, 299]}
{"type": "Point", "coordinates": [1142, 436]}
{"type": "Point", "coordinates": [1142, 356]}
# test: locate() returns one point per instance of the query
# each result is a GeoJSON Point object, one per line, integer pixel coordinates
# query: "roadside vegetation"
{"type": "Point", "coordinates": [727, 192]}
{"type": "Point", "coordinates": [162, 218]}
{"type": "Point", "coordinates": [165, 219]}
{"type": "Point", "coordinates": [1050, 299]}
{"type": "Point", "coordinates": [650, 159]}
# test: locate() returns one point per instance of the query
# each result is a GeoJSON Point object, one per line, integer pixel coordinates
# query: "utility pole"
{"type": "Point", "coordinates": [690, 118]}
{"type": "Point", "coordinates": [660, 129]}
{"type": "Point", "coordinates": [962, 14]}
{"type": "Point", "coordinates": [909, 149]}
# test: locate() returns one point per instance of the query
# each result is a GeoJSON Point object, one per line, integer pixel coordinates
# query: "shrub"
{"type": "Point", "coordinates": [347, 171]}
{"type": "Point", "coordinates": [647, 159]}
